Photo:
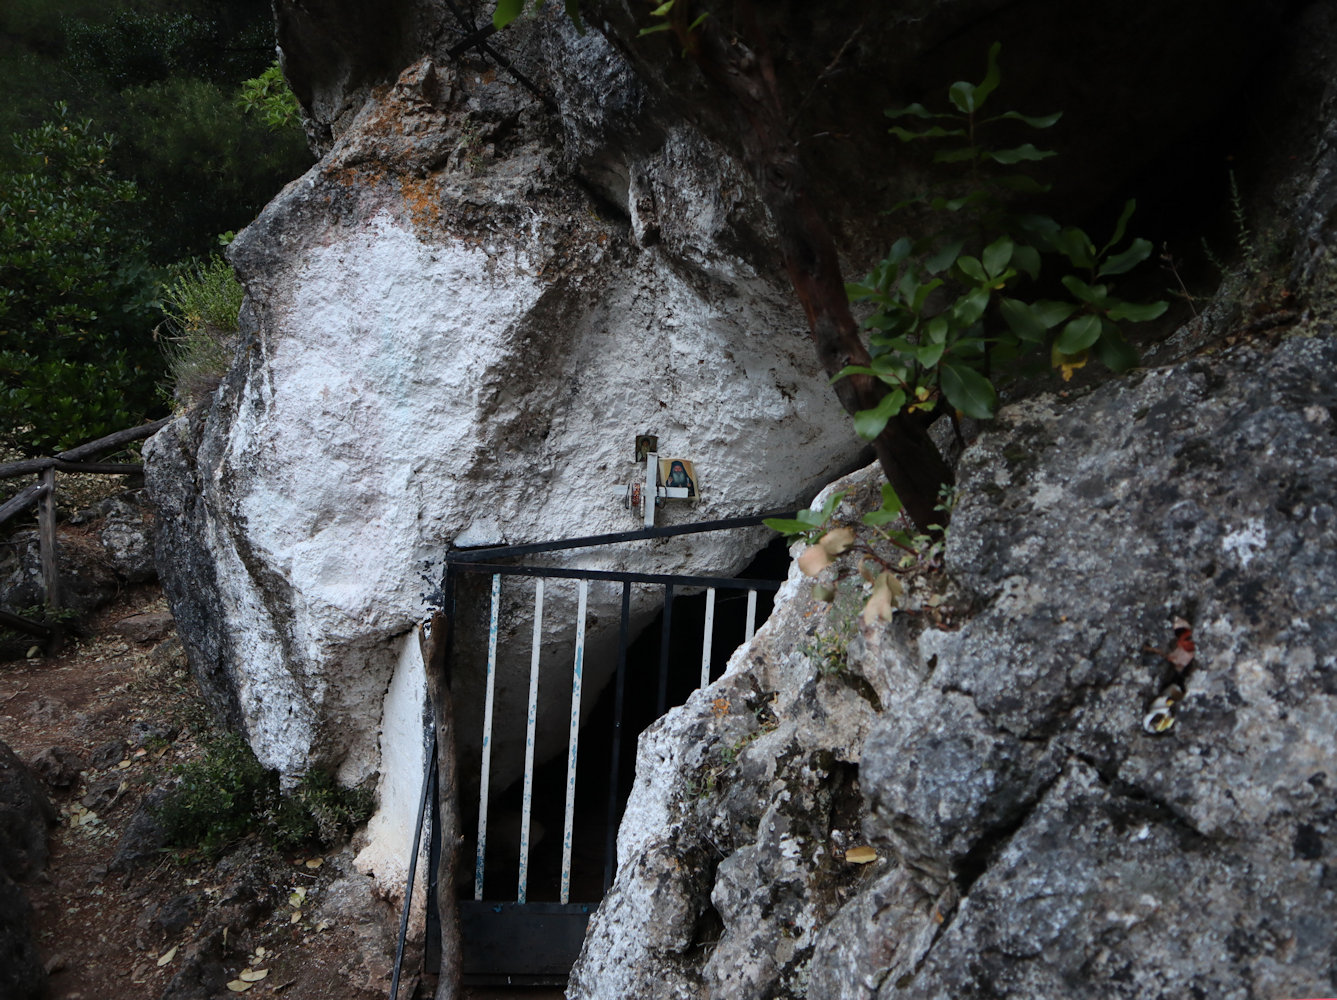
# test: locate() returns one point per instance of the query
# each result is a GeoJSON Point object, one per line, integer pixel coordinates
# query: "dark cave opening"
{"type": "Point", "coordinates": [598, 802]}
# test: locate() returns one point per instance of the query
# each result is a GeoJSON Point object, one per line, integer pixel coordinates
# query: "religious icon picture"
{"type": "Point", "coordinates": [646, 444]}
{"type": "Point", "coordinates": [678, 473]}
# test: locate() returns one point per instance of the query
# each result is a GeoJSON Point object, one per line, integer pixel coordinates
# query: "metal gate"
{"type": "Point", "coordinates": [514, 937]}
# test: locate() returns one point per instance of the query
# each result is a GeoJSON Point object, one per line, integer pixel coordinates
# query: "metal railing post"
{"type": "Point", "coordinates": [665, 637]}
{"type": "Point", "coordinates": [531, 725]}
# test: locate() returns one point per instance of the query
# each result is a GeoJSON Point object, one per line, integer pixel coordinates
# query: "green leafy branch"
{"type": "Point", "coordinates": [806, 525]}
{"type": "Point", "coordinates": [951, 308]}
{"type": "Point", "coordinates": [664, 10]}
{"type": "Point", "coordinates": [269, 97]}
{"type": "Point", "coordinates": [508, 10]}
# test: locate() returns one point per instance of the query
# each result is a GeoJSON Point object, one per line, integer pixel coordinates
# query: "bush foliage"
{"type": "Point", "coordinates": [990, 281]}
{"type": "Point", "coordinates": [76, 293]}
{"type": "Point", "coordinates": [227, 795]}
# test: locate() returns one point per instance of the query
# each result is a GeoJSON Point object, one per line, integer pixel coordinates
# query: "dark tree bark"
{"type": "Point", "coordinates": [447, 795]}
{"type": "Point", "coordinates": [739, 64]}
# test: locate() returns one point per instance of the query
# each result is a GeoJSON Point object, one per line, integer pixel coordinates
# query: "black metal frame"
{"type": "Point", "coordinates": [556, 929]}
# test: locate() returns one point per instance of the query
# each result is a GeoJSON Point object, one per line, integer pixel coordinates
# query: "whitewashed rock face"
{"type": "Point", "coordinates": [447, 343]}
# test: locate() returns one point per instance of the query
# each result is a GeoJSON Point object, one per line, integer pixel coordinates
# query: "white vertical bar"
{"type": "Point", "coordinates": [573, 741]}
{"type": "Point", "coordinates": [487, 736]}
{"type": "Point", "coordinates": [705, 644]}
{"type": "Point", "coordinates": [530, 726]}
{"type": "Point", "coordinates": [751, 615]}
{"type": "Point", "coordinates": [651, 487]}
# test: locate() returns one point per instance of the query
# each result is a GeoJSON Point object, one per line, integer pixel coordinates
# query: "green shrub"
{"type": "Point", "coordinates": [227, 795]}
{"type": "Point", "coordinates": [219, 798]}
{"type": "Point", "coordinates": [989, 282]}
{"type": "Point", "coordinates": [269, 97]}
{"type": "Point", "coordinates": [203, 165]}
{"type": "Point", "coordinates": [134, 47]}
{"type": "Point", "coordinates": [319, 811]}
{"type": "Point", "coordinates": [76, 304]}
{"type": "Point", "coordinates": [201, 304]}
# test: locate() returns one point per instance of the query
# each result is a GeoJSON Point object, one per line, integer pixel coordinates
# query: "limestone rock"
{"type": "Point", "coordinates": [25, 813]}
{"type": "Point", "coordinates": [126, 533]}
{"type": "Point", "coordinates": [445, 341]}
{"type": "Point", "coordinates": [730, 853]}
{"type": "Point", "coordinates": [1009, 767]}
{"type": "Point", "coordinates": [58, 766]}
{"type": "Point", "coordinates": [145, 627]}
{"type": "Point", "coordinates": [144, 837]}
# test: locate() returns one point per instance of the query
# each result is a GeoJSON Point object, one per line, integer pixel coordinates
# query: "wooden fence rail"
{"type": "Point", "coordinates": [43, 493]}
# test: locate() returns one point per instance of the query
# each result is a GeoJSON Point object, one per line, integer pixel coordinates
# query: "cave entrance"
{"type": "Point", "coordinates": [540, 850]}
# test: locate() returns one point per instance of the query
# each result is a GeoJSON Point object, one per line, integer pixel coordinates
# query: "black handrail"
{"type": "Point", "coordinates": [619, 576]}
{"type": "Point", "coordinates": [486, 553]}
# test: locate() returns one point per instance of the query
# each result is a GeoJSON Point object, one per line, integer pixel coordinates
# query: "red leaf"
{"type": "Point", "coordinates": [1182, 652]}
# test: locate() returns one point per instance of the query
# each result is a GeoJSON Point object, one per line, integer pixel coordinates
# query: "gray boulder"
{"type": "Point", "coordinates": [1034, 836]}
{"type": "Point", "coordinates": [25, 814]}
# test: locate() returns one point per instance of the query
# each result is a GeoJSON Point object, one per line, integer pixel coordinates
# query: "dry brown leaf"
{"type": "Point", "coordinates": [882, 603]}
{"type": "Point", "coordinates": [239, 986]}
{"type": "Point", "coordinates": [252, 975]}
{"type": "Point", "coordinates": [837, 541]}
{"type": "Point", "coordinates": [315, 862]}
{"type": "Point", "coordinates": [167, 956]}
{"type": "Point", "coordinates": [296, 916]}
{"type": "Point", "coordinates": [861, 855]}
{"type": "Point", "coordinates": [814, 560]}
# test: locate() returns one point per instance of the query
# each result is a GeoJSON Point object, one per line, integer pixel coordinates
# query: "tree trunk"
{"type": "Point", "coordinates": [447, 796]}
{"type": "Point", "coordinates": [912, 463]}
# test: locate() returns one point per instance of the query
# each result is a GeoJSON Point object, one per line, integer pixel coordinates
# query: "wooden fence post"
{"type": "Point", "coordinates": [46, 528]}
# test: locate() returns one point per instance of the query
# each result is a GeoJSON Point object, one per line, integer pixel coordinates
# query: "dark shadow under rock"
{"type": "Point", "coordinates": [144, 838]}
{"type": "Point", "coordinates": [25, 813]}
{"type": "Point", "coordinates": [21, 974]}
{"type": "Point", "coordinates": [58, 766]}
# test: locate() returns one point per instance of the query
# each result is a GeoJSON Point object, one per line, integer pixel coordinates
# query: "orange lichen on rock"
{"type": "Point", "coordinates": [422, 197]}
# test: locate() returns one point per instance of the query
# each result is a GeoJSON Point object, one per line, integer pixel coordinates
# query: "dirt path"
{"type": "Point", "coordinates": [113, 717]}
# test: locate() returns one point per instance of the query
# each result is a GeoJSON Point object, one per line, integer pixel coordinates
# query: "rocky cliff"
{"type": "Point", "coordinates": [1035, 834]}
{"type": "Point", "coordinates": [510, 260]}
{"type": "Point", "coordinates": [449, 338]}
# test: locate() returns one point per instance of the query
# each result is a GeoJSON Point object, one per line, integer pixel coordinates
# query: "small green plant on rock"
{"type": "Point", "coordinates": [269, 97]}
{"type": "Point", "coordinates": [828, 648]}
{"type": "Point", "coordinates": [202, 303]}
{"type": "Point", "coordinates": [887, 547]}
{"type": "Point", "coordinates": [320, 811]}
